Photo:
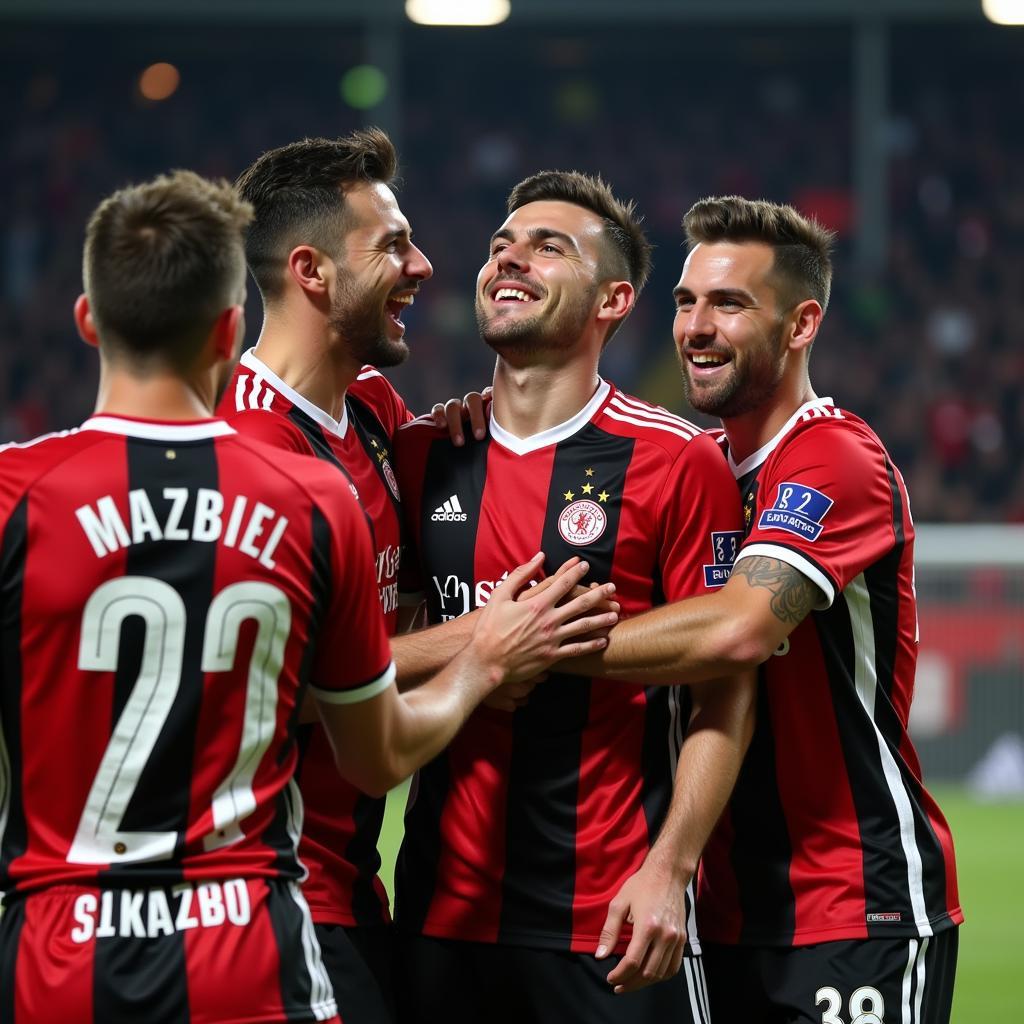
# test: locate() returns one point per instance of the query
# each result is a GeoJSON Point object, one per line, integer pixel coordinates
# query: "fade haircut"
{"type": "Point", "coordinates": [803, 265]}
{"type": "Point", "coordinates": [298, 193]}
{"type": "Point", "coordinates": [162, 261]}
{"type": "Point", "coordinates": [627, 253]}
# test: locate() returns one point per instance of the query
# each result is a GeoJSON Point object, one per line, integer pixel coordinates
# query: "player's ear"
{"type": "Point", "coordinates": [309, 269]}
{"type": "Point", "coordinates": [806, 321]}
{"type": "Point", "coordinates": [618, 300]}
{"type": "Point", "coordinates": [84, 321]}
{"type": "Point", "coordinates": [227, 333]}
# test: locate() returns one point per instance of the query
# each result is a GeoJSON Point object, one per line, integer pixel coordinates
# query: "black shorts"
{"type": "Point", "coordinates": [226, 952]}
{"type": "Point", "coordinates": [481, 983]}
{"type": "Point", "coordinates": [359, 962]}
{"type": "Point", "coordinates": [865, 981]}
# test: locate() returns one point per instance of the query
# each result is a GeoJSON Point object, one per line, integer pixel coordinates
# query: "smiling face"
{"type": "Point", "coordinates": [728, 329]}
{"type": "Point", "coordinates": [379, 272]}
{"type": "Point", "coordinates": [538, 289]}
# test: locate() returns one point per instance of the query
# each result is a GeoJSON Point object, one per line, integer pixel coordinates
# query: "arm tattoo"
{"type": "Point", "coordinates": [793, 594]}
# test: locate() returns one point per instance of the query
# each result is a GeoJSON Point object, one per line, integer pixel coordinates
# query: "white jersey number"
{"type": "Point", "coordinates": [99, 839]}
{"type": "Point", "coordinates": [866, 1005]}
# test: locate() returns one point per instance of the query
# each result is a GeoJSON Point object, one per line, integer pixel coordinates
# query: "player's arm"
{"type": "Point", "coordinates": [710, 636]}
{"type": "Point", "coordinates": [654, 899]}
{"type": "Point", "coordinates": [381, 740]}
{"type": "Point", "coordinates": [424, 652]}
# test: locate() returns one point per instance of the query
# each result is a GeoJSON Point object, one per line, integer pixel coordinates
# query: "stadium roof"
{"type": "Point", "coordinates": [590, 12]}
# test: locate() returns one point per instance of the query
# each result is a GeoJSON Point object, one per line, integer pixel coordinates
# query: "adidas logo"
{"type": "Point", "coordinates": [449, 512]}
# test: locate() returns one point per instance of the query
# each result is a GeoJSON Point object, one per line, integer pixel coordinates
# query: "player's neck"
{"type": "Point", "coordinates": [155, 397]}
{"type": "Point", "coordinates": [753, 430]}
{"type": "Point", "coordinates": [528, 400]}
{"type": "Point", "coordinates": [300, 354]}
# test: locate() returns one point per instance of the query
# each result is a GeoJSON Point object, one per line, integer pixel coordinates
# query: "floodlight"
{"type": "Point", "coordinates": [457, 12]}
{"type": "Point", "coordinates": [1004, 12]}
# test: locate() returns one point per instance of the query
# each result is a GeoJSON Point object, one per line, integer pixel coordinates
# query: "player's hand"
{"type": "Point", "coordinates": [604, 605]}
{"type": "Point", "coordinates": [654, 900]}
{"type": "Point", "coordinates": [519, 639]}
{"type": "Point", "coordinates": [512, 696]}
{"type": "Point", "coordinates": [452, 413]}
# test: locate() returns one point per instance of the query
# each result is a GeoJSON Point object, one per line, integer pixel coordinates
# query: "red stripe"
{"type": "Point", "coordinates": [610, 795]}
{"type": "Point", "coordinates": [234, 971]}
{"type": "Point", "coordinates": [467, 897]}
{"type": "Point", "coordinates": [69, 708]}
{"type": "Point", "coordinates": [53, 976]}
{"type": "Point", "coordinates": [806, 717]}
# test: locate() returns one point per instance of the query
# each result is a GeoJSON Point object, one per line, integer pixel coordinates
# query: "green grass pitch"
{"type": "Point", "coordinates": [990, 853]}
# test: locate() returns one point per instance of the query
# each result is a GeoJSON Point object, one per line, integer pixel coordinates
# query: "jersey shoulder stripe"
{"type": "Point", "coordinates": [645, 410]}
{"type": "Point", "coordinates": [22, 445]}
{"type": "Point", "coordinates": [251, 392]}
{"type": "Point", "coordinates": [420, 423]}
{"type": "Point", "coordinates": [648, 427]}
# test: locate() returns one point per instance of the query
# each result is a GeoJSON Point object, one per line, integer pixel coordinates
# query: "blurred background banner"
{"type": "Point", "coordinates": [896, 122]}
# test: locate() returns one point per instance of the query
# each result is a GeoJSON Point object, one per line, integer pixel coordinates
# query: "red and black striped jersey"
{"type": "Point", "coordinates": [830, 833]}
{"type": "Point", "coordinates": [342, 824]}
{"type": "Point", "coordinates": [166, 589]}
{"type": "Point", "coordinates": [524, 829]}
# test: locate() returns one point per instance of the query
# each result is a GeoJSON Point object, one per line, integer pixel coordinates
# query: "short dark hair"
{"type": "Point", "coordinates": [298, 193]}
{"type": "Point", "coordinates": [162, 261]}
{"type": "Point", "coordinates": [627, 250]}
{"type": "Point", "coordinates": [803, 265]}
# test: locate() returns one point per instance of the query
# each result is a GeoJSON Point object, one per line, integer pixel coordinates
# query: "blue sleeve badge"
{"type": "Point", "coordinates": [725, 546]}
{"type": "Point", "coordinates": [798, 509]}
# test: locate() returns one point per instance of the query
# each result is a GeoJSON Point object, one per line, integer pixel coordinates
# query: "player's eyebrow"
{"type": "Point", "coordinates": [740, 294]}
{"type": "Point", "coordinates": [395, 235]}
{"type": "Point", "coordinates": [539, 234]}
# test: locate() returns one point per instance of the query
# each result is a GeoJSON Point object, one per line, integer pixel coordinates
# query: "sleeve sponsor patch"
{"type": "Point", "coordinates": [798, 509]}
{"type": "Point", "coordinates": [725, 546]}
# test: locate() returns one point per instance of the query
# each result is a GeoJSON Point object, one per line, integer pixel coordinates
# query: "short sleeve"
{"type": "Point", "coordinates": [700, 520]}
{"type": "Point", "coordinates": [825, 505]}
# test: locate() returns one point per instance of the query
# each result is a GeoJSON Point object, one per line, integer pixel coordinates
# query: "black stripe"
{"type": "Point", "coordinates": [885, 864]}
{"type": "Point", "coordinates": [12, 584]}
{"type": "Point", "coordinates": [543, 782]}
{"type": "Point", "coordinates": [368, 815]}
{"type": "Point", "coordinates": [11, 923]}
{"type": "Point", "coordinates": [369, 429]}
{"type": "Point", "coordinates": [160, 802]}
{"type": "Point", "coordinates": [659, 741]}
{"type": "Point", "coordinates": [447, 470]}
{"type": "Point", "coordinates": [287, 920]}
{"type": "Point", "coordinates": [322, 449]}
{"type": "Point", "coordinates": [883, 588]}
{"type": "Point", "coordinates": [761, 849]}
{"type": "Point", "coordinates": [128, 971]}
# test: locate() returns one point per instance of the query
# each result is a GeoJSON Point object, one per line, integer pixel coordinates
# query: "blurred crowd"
{"type": "Point", "coordinates": [925, 347]}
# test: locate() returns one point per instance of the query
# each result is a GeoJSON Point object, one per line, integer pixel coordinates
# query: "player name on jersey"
{"type": "Point", "coordinates": [148, 913]}
{"type": "Point", "coordinates": [252, 527]}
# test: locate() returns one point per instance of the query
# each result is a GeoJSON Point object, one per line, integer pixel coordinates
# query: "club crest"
{"type": "Point", "coordinates": [389, 476]}
{"type": "Point", "coordinates": [582, 522]}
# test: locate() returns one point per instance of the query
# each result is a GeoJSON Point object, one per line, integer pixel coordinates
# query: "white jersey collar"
{"type": "Point", "coordinates": [340, 427]}
{"type": "Point", "coordinates": [153, 430]}
{"type": "Point", "coordinates": [553, 435]}
{"type": "Point", "coordinates": [753, 461]}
